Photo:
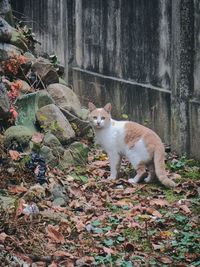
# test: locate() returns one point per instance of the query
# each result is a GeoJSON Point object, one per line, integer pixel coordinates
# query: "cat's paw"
{"type": "Point", "coordinates": [133, 181]}
{"type": "Point", "coordinates": [148, 179]}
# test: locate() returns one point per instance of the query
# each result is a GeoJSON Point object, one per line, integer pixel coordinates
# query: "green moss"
{"type": "Point", "coordinates": [171, 196]}
{"type": "Point", "coordinates": [136, 235]}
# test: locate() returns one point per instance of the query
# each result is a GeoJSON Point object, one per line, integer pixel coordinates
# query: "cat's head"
{"type": "Point", "coordinates": [100, 117]}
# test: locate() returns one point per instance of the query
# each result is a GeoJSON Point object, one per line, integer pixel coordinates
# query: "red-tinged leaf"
{"type": "Point", "coordinates": [14, 154]}
{"type": "Point", "coordinates": [159, 202]}
{"type": "Point", "coordinates": [37, 138]}
{"type": "Point", "coordinates": [17, 189]}
{"type": "Point", "coordinates": [3, 237]}
{"type": "Point", "coordinates": [185, 208]}
{"type": "Point", "coordinates": [54, 234]}
{"type": "Point", "coordinates": [165, 260]}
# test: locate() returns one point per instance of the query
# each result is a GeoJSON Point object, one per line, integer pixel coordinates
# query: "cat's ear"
{"type": "Point", "coordinates": [108, 107]}
{"type": "Point", "coordinates": [91, 106]}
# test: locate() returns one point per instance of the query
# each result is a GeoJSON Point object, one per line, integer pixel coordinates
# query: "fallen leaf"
{"type": "Point", "coordinates": [166, 234]}
{"type": "Point", "coordinates": [3, 237]}
{"type": "Point", "coordinates": [17, 189]}
{"type": "Point", "coordinates": [157, 247]}
{"type": "Point", "coordinates": [159, 202]}
{"type": "Point", "coordinates": [154, 212]}
{"type": "Point", "coordinates": [20, 207]}
{"type": "Point", "coordinates": [109, 251]}
{"type": "Point", "coordinates": [14, 154]}
{"type": "Point", "coordinates": [124, 202]}
{"type": "Point", "coordinates": [165, 260]}
{"type": "Point", "coordinates": [61, 253]}
{"type": "Point", "coordinates": [84, 260]}
{"type": "Point", "coordinates": [53, 233]}
{"type": "Point", "coordinates": [185, 208]}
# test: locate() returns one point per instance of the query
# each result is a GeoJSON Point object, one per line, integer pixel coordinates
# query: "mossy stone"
{"type": "Point", "coordinates": [20, 134]}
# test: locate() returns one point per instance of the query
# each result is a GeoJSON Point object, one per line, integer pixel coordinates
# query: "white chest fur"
{"type": "Point", "coordinates": [112, 137]}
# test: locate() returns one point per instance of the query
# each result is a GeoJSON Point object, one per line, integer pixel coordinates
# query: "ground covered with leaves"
{"type": "Point", "coordinates": [105, 223]}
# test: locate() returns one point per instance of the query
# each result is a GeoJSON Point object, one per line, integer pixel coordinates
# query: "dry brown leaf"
{"type": "Point", "coordinates": [185, 208]}
{"type": "Point", "coordinates": [100, 163]}
{"type": "Point", "coordinates": [61, 253]}
{"type": "Point", "coordinates": [17, 189]}
{"type": "Point", "coordinates": [159, 202]}
{"type": "Point", "coordinates": [109, 251]}
{"type": "Point", "coordinates": [124, 202]}
{"type": "Point", "coordinates": [154, 212]}
{"type": "Point", "coordinates": [54, 234]}
{"type": "Point", "coordinates": [20, 207]}
{"type": "Point", "coordinates": [80, 226]}
{"type": "Point", "coordinates": [84, 260]}
{"type": "Point", "coordinates": [165, 260]}
{"type": "Point", "coordinates": [14, 154]}
{"type": "Point", "coordinates": [3, 237]}
{"type": "Point", "coordinates": [129, 190]}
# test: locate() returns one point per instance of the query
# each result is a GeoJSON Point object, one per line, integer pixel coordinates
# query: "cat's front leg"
{"type": "Point", "coordinates": [115, 162]}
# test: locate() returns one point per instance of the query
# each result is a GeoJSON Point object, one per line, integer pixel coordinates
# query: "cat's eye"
{"type": "Point", "coordinates": [103, 118]}
{"type": "Point", "coordinates": [95, 117]}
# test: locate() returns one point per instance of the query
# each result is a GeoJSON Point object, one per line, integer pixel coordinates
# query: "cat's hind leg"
{"type": "Point", "coordinates": [152, 175]}
{"type": "Point", "coordinates": [141, 172]}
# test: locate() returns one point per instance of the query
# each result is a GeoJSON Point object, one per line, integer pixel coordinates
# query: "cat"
{"type": "Point", "coordinates": [141, 145]}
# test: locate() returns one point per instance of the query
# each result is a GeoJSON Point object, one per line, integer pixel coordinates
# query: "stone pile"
{"type": "Point", "coordinates": [45, 103]}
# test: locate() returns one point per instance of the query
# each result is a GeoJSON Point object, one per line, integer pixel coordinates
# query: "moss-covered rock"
{"type": "Point", "coordinates": [27, 106]}
{"type": "Point", "coordinates": [52, 120]}
{"type": "Point", "coordinates": [76, 154]}
{"type": "Point", "coordinates": [51, 140]}
{"type": "Point", "coordinates": [19, 134]}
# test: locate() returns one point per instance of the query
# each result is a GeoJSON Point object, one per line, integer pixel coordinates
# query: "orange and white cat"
{"type": "Point", "coordinates": [142, 146]}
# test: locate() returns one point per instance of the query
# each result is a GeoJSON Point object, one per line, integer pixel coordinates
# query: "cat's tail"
{"type": "Point", "coordinates": [159, 162]}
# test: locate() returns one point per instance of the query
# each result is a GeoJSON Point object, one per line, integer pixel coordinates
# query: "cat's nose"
{"type": "Point", "coordinates": [98, 123]}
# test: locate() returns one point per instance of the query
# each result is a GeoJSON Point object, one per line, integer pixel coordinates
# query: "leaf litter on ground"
{"type": "Point", "coordinates": [104, 223]}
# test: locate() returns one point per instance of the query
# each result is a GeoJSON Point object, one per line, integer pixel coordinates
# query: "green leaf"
{"type": "Point", "coordinates": [98, 231]}
{"type": "Point", "coordinates": [96, 223]}
{"type": "Point", "coordinates": [108, 242]}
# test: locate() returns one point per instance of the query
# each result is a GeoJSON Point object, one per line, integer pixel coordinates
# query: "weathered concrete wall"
{"type": "Point", "coordinates": [143, 56]}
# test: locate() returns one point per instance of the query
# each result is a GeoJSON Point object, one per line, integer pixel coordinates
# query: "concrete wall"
{"type": "Point", "coordinates": [141, 55]}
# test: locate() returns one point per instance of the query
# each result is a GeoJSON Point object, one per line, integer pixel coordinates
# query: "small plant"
{"type": "Point", "coordinates": [177, 164]}
{"type": "Point", "coordinates": [13, 93]}
{"type": "Point", "coordinates": [13, 64]}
